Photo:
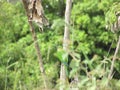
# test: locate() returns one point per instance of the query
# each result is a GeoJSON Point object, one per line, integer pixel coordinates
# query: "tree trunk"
{"type": "Point", "coordinates": [36, 45]}
{"type": "Point", "coordinates": [66, 40]}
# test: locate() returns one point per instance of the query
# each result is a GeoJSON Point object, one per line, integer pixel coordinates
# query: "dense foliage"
{"type": "Point", "coordinates": [92, 46]}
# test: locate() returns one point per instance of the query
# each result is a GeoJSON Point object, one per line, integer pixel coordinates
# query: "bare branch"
{"type": "Point", "coordinates": [113, 60]}
{"type": "Point", "coordinates": [63, 76]}
{"type": "Point", "coordinates": [25, 3]}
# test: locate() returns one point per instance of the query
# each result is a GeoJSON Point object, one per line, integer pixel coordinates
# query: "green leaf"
{"type": "Point", "coordinates": [62, 56]}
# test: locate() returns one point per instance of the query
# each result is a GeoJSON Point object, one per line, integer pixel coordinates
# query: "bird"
{"type": "Point", "coordinates": [36, 13]}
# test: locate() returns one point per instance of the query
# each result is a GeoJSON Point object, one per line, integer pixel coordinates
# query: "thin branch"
{"type": "Point", "coordinates": [36, 44]}
{"type": "Point", "coordinates": [113, 60]}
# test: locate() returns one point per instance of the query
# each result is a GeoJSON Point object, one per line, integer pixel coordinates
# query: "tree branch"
{"type": "Point", "coordinates": [36, 44]}
{"type": "Point", "coordinates": [113, 60]}
{"type": "Point", "coordinates": [66, 40]}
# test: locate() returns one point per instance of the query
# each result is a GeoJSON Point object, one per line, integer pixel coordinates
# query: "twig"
{"type": "Point", "coordinates": [113, 60]}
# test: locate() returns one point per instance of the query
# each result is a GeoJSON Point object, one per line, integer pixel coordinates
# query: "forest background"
{"type": "Point", "coordinates": [92, 46]}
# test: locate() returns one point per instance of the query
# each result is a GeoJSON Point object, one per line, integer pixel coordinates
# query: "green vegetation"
{"type": "Point", "coordinates": [92, 46]}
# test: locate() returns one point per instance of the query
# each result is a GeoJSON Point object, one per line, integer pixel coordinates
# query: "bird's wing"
{"type": "Point", "coordinates": [39, 8]}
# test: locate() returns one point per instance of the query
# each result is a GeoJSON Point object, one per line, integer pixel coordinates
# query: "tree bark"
{"type": "Point", "coordinates": [66, 40]}
{"type": "Point", "coordinates": [36, 45]}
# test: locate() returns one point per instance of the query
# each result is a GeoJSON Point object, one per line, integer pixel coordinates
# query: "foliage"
{"type": "Point", "coordinates": [91, 46]}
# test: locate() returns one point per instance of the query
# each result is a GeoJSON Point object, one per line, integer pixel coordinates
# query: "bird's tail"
{"type": "Point", "coordinates": [45, 21]}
